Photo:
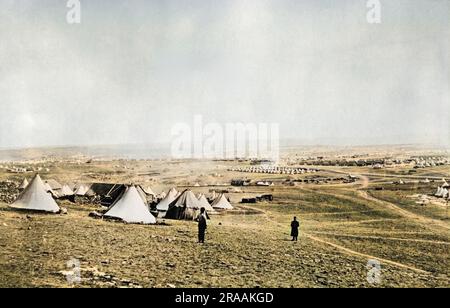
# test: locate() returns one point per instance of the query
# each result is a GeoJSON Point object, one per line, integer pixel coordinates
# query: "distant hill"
{"type": "Point", "coordinates": [112, 151]}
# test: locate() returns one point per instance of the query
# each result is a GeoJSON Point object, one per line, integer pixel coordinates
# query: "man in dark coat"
{"type": "Point", "coordinates": [294, 229]}
{"type": "Point", "coordinates": [202, 226]}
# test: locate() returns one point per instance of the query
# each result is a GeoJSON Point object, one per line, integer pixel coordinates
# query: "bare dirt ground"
{"type": "Point", "coordinates": [342, 228]}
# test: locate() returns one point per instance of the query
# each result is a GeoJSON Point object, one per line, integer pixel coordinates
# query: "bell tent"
{"type": "Point", "coordinates": [205, 204]}
{"type": "Point", "coordinates": [185, 207]}
{"type": "Point", "coordinates": [81, 190]}
{"type": "Point", "coordinates": [36, 198]}
{"type": "Point", "coordinates": [66, 191]}
{"type": "Point", "coordinates": [221, 203]}
{"type": "Point", "coordinates": [131, 208]}
{"type": "Point", "coordinates": [163, 205]}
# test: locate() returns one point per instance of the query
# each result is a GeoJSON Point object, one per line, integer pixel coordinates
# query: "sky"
{"type": "Point", "coordinates": [132, 69]}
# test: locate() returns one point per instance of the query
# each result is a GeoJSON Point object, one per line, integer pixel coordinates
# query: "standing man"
{"type": "Point", "coordinates": [294, 229]}
{"type": "Point", "coordinates": [202, 226]}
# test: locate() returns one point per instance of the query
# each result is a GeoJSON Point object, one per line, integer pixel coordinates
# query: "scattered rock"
{"type": "Point", "coordinates": [322, 280]}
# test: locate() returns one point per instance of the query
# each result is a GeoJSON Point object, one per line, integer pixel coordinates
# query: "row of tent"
{"type": "Point", "coordinates": [130, 207]}
{"type": "Point", "coordinates": [175, 198]}
{"type": "Point", "coordinates": [107, 193]}
{"type": "Point", "coordinates": [274, 170]}
{"type": "Point", "coordinates": [53, 187]}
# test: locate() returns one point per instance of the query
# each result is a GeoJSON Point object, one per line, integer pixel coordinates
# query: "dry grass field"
{"type": "Point", "coordinates": [343, 226]}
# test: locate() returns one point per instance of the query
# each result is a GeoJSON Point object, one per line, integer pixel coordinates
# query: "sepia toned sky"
{"type": "Point", "coordinates": [134, 68]}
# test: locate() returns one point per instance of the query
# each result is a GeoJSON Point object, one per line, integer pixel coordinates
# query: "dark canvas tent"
{"type": "Point", "coordinates": [185, 207]}
{"type": "Point", "coordinates": [107, 193]}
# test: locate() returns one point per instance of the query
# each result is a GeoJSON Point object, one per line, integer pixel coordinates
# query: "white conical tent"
{"type": "Point", "coordinates": [36, 198]}
{"type": "Point", "coordinates": [222, 203]}
{"type": "Point", "coordinates": [82, 190]}
{"type": "Point", "coordinates": [444, 192]}
{"type": "Point", "coordinates": [439, 192]}
{"type": "Point", "coordinates": [24, 184]}
{"type": "Point", "coordinates": [205, 204]}
{"type": "Point", "coordinates": [66, 191]}
{"type": "Point", "coordinates": [131, 208]}
{"type": "Point", "coordinates": [170, 197]}
{"type": "Point", "coordinates": [149, 191]}
{"type": "Point", "coordinates": [214, 195]}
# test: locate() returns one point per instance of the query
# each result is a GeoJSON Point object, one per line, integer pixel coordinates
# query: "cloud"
{"type": "Point", "coordinates": [132, 70]}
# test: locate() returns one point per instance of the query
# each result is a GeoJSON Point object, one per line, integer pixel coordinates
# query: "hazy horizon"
{"type": "Point", "coordinates": [133, 69]}
{"type": "Point", "coordinates": [283, 144]}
